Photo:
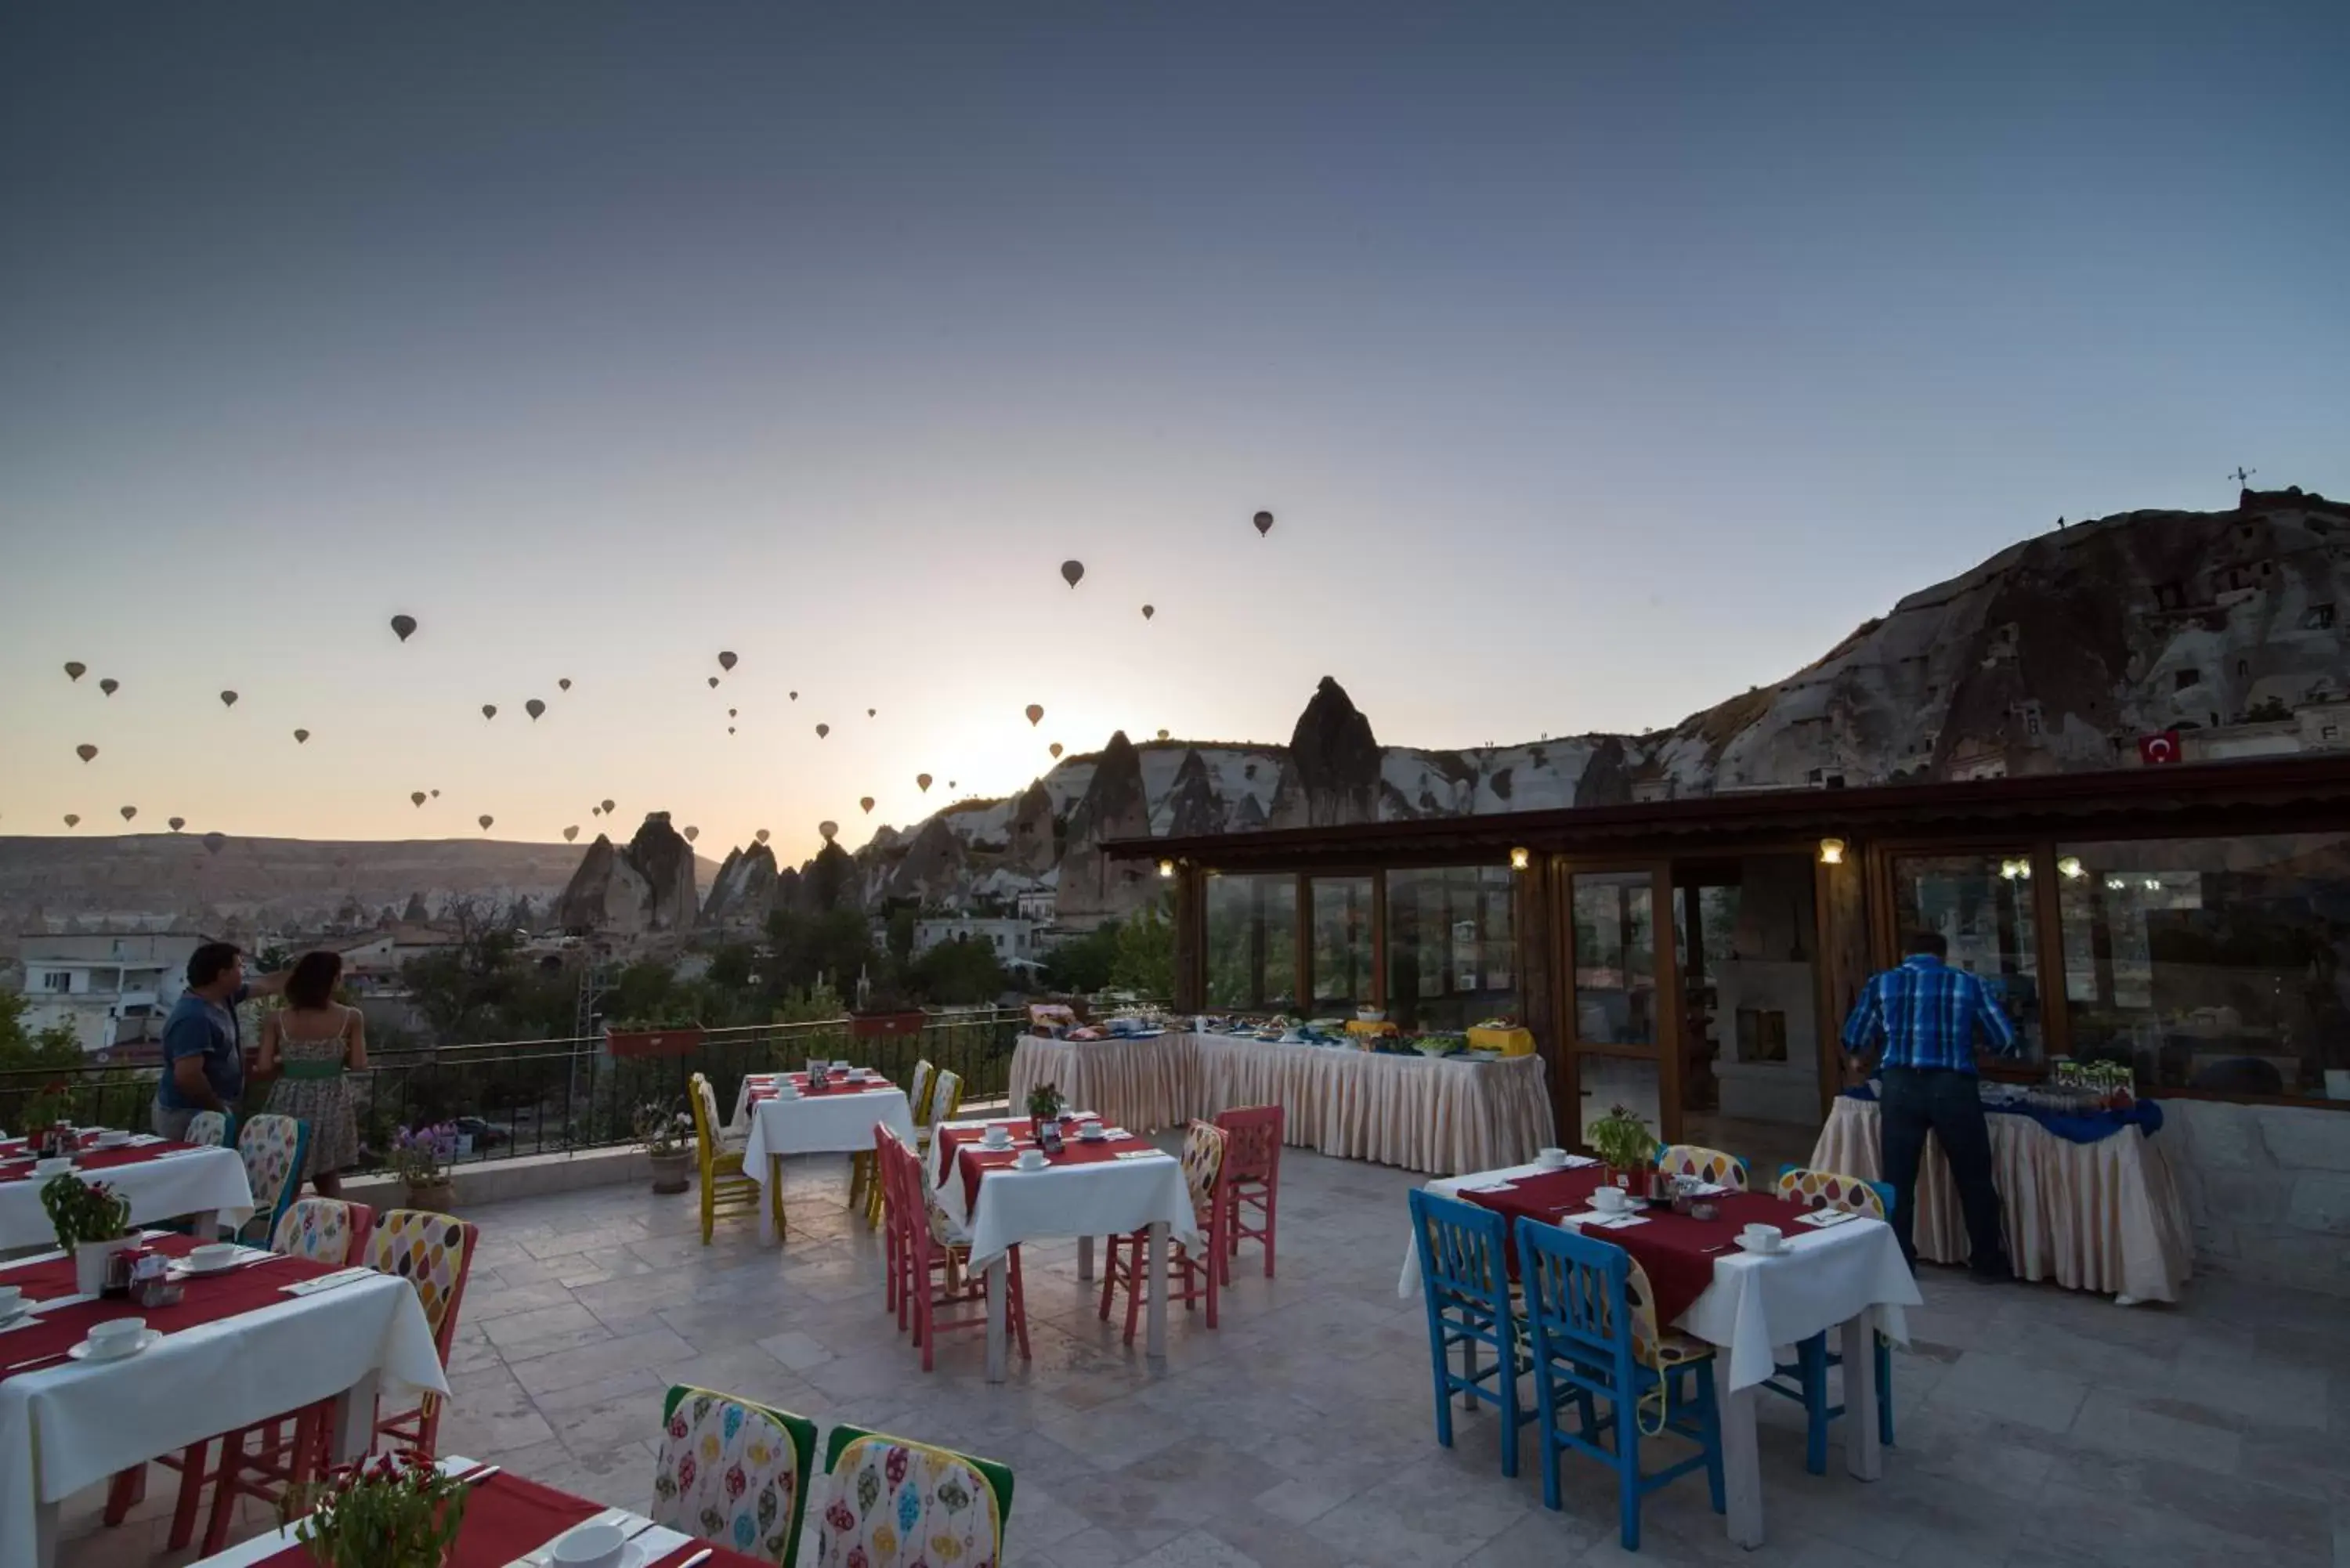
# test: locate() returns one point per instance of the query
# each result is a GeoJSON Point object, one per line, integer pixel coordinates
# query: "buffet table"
{"type": "Point", "coordinates": [1441, 1116]}
{"type": "Point", "coordinates": [2087, 1202]}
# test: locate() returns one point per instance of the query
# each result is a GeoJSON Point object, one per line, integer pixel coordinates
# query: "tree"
{"type": "Point", "coordinates": [956, 973]}
{"type": "Point", "coordinates": [22, 1048]}
{"type": "Point", "coordinates": [902, 934]}
{"type": "Point", "coordinates": [1145, 959]}
{"type": "Point", "coordinates": [835, 946]}
{"type": "Point", "coordinates": [1084, 964]}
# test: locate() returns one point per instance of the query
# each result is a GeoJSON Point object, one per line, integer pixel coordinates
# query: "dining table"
{"type": "Point", "coordinates": [163, 1179]}
{"type": "Point", "coordinates": [1113, 1186]}
{"type": "Point", "coordinates": [782, 1114]}
{"type": "Point", "coordinates": [264, 1336]}
{"type": "Point", "coordinates": [509, 1518]}
{"type": "Point", "coordinates": [1831, 1270]}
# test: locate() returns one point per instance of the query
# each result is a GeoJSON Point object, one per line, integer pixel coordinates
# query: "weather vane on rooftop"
{"type": "Point", "coordinates": [2242, 474]}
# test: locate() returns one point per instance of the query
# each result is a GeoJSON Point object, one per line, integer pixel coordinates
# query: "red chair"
{"type": "Point", "coordinates": [1253, 1175]}
{"type": "Point", "coordinates": [897, 1245]}
{"type": "Point", "coordinates": [328, 1231]}
{"type": "Point", "coordinates": [937, 1246]}
{"type": "Point", "coordinates": [1190, 1277]}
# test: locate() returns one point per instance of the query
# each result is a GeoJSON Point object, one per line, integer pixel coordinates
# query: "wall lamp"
{"type": "Point", "coordinates": [1520, 859]}
{"type": "Point", "coordinates": [1831, 851]}
{"type": "Point", "coordinates": [1167, 868]}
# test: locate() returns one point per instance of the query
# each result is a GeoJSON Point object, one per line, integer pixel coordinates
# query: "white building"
{"type": "Point", "coordinates": [1008, 939]}
{"type": "Point", "coordinates": [110, 990]}
{"type": "Point", "coordinates": [372, 963]}
{"type": "Point", "coordinates": [1036, 904]}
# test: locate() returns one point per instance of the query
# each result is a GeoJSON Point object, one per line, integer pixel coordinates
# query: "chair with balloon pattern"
{"type": "Point", "coordinates": [1805, 1380]}
{"type": "Point", "coordinates": [734, 1472]}
{"type": "Point", "coordinates": [893, 1503]}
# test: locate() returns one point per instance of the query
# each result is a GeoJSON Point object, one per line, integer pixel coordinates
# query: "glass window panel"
{"type": "Point", "coordinates": [1342, 942]}
{"type": "Point", "coordinates": [1253, 943]}
{"type": "Point", "coordinates": [1614, 958]}
{"type": "Point", "coordinates": [2212, 963]}
{"type": "Point", "coordinates": [1981, 905]}
{"type": "Point", "coordinates": [1450, 946]}
{"type": "Point", "coordinates": [1610, 1081]}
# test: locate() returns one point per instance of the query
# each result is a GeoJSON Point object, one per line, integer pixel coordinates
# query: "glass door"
{"type": "Point", "coordinates": [1619, 1005]}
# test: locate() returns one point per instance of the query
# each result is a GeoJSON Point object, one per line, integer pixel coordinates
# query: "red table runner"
{"type": "Point", "coordinates": [208, 1298]}
{"type": "Point", "coordinates": [963, 1146]}
{"type": "Point", "coordinates": [1676, 1253]}
{"type": "Point", "coordinates": [766, 1091]}
{"type": "Point", "coordinates": [508, 1517]}
{"type": "Point", "coordinates": [16, 1162]}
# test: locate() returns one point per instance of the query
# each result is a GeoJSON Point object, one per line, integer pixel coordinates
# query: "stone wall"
{"type": "Point", "coordinates": [2267, 1189]}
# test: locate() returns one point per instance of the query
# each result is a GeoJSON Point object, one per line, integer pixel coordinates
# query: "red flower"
{"type": "Point", "coordinates": [855, 1557]}
{"type": "Point", "coordinates": [677, 1427]}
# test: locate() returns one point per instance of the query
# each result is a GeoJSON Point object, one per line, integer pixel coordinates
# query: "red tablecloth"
{"type": "Point", "coordinates": [766, 1090]}
{"type": "Point", "coordinates": [963, 1146]}
{"type": "Point", "coordinates": [17, 1161]}
{"type": "Point", "coordinates": [1676, 1253]}
{"type": "Point", "coordinates": [508, 1517]}
{"type": "Point", "coordinates": [208, 1298]}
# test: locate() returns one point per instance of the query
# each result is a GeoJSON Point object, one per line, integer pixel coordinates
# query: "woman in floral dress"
{"type": "Point", "coordinates": [311, 1043]}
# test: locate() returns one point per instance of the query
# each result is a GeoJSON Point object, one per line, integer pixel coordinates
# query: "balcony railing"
{"type": "Point", "coordinates": [552, 1097]}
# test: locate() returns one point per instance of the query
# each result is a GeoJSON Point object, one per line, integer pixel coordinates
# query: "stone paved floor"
{"type": "Point", "coordinates": [2036, 1428]}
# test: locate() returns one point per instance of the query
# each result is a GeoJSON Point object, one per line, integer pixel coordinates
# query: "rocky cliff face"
{"type": "Point", "coordinates": [1115, 806]}
{"type": "Point", "coordinates": [1332, 773]}
{"type": "Point", "coordinates": [743, 890]}
{"type": "Point", "coordinates": [642, 890]}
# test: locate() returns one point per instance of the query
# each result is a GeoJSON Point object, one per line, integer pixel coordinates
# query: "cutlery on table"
{"type": "Point", "coordinates": [31, 1361]}
{"type": "Point", "coordinates": [699, 1557]}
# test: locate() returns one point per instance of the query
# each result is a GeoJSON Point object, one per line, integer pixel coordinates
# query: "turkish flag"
{"type": "Point", "coordinates": [2154, 750]}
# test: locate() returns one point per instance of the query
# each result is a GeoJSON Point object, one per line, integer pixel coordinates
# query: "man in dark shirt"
{"type": "Point", "coordinates": [204, 1046]}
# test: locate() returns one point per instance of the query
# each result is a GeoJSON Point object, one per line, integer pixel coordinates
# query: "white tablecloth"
{"type": "Point", "coordinates": [84, 1422]}
{"type": "Point", "coordinates": [818, 1123]}
{"type": "Point", "coordinates": [165, 1189]}
{"type": "Point", "coordinates": [1440, 1116]}
{"type": "Point", "coordinates": [1756, 1304]}
{"type": "Point", "coordinates": [2102, 1216]}
{"type": "Point", "coordinates": [1107, 1198]}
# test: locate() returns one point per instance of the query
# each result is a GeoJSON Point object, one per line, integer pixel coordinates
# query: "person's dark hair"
{"type": "Point", "coordinates": [310, 983]}
{"type": "Point", "coordinates": [1932, 942]}
{"type": "Point", "coordinates": [210, 961]}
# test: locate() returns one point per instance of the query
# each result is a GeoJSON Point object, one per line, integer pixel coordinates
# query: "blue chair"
{"type": "Point", "coordinates": [1464, 1279]}
{"type": "Point", "coordinates": [1592, 1319]}
{"type": "Point", "coordinates": [1805, 1380]}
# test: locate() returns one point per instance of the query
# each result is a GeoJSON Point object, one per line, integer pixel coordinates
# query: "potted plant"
{"type": "Point", "coordinates": [884, 1012]}
{"type": "Point", "coordinates": [1625, 1145]}
{"type": "Point", "coordinates": [652, 1036]}
{"type": "Point", "coordinates": [92, 1222]}
{"type": "Point", "coordinates": [1045, 1104]}
{"type": "Point", "coordinates": [662, 1126]}
{"type": "Point", "coordinates": [383, 1513]}
{"type": "Point", "coordinates": [420, 1157]}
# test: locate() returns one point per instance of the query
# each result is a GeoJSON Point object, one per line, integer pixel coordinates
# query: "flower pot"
{"type": "Point", "coordinates": [681, 1041]}
{"type": "Point", "coordinates": [439, 1197]}
{"type": "Point", "coordinates": [672, 1171]}
{"type": "Point", "coordinates": [90, 1263]}
{"type": "Point", "coordinates": [874, 1025]}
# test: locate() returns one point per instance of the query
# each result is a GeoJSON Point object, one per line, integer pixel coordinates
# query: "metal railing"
{"type": "Point", "coordinates": [550, 1097]}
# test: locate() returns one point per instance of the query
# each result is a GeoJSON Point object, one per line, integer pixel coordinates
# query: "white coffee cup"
{"type": "Point", "coordinates": [55, 1164]}
{"type": "Point", "coordinates": [998, 1137]}
{"type": "Point", "coordinates": [1031, 1160]}
{"type": "Point", "coordinates": [1550, 1159]}
{"type": "Point", "coordinates": [213, 1255]}
{"type": "Point", "coordinates": [1610, 1199]}
{"type": "Point", "coordinates": [1763, 1238]}
{"type": "Point", "coordinates": [115, 1335]}
{"type": "Point", "coordinates": [591, 1546]}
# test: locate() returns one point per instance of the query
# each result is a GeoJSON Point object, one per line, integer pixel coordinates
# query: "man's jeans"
{"type": "Point", "coordinates": [1914, 1101]}
{"type": "Point", "coordinates": [169, 1123]}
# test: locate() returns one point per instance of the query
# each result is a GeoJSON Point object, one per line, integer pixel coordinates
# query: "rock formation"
{"type": "Point", "coordinates": [1332, 774]}
{"type": "Point", "coordinates": [1092, 885]}
{"type": "Point", "coordinates": [743, 890]}
{"type": "Point", "coordinates": [932, 871]}
{"type": "Point", "coordinates": [1034, 847]}
{"type": "Point", "coordinates": [645, 888]}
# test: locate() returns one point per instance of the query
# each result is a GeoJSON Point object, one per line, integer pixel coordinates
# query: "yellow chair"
{"type": "Point", "coordinates": [726, 1186]}
{"type": "Point", "coordinates": [934, 1092]}
{"type": "Point", "coordinates": [864, 1185]}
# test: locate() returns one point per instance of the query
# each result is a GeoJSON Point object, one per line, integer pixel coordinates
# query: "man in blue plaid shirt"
{"type": "Point", "coordinates": [1921, 1020]}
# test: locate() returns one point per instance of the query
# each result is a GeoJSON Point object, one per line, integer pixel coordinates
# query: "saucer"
{"type": "Point", "coordinates": [1096, 1136]}
{"type": "Point", "coordinates": [193, 1267]}
{"type": "Point", "coordinates": [1763, 1250]}
{"type": "Point", "coordinates": [84, 1352]}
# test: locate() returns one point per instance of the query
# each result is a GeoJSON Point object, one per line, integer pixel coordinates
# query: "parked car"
{"type": "Point", "coordinates": [484, 1134]}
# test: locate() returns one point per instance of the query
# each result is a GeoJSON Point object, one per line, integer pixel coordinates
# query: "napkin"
{"type": "Point", "coordinates": [1594, 1219]}
{"type": "Point", "coordinates": [1142, 1154]}
{"type": "Point", "coordinates": [1821, 1219]}
{"type": "Point", "coordinates": [1491, 1187]}
{"type": "Point", "coordinates": [327, 1281]}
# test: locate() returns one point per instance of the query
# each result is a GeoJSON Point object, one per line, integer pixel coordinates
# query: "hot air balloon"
{"type": "Point", "coordinates": [1055, 749]}
{"type": "Point", "coordinates": [416, 797]}
{"type": "Point", "coordinates": [564, 682]}
{"type": "Point", "coordinates": [607, 808]}
{"type": "Point", "coordinates": [761, 835]}
{"type": "Point", "coordinates": [85, 750]}
{"type": "Point", "coordinates": [713, 683]}
{"type": "Point", "coordinates": [178, 822]}
{"type": "Point", "coordinates": [570, 834]}
{"type": "Point", "coordinates": [870, 711]}
{"type": "Point", "coordinates": [922, 783]}
{"type": "Point", "coordinates": [730, 713]}
{"type": "Point", "coordinates": [534, 708]}
{"type": "Point", "coordinates": [725, 661]}
{"type": "Point", "coordinates": [72, 821]}
{"type": "Point", "coordinates": [729, 729]}
{"type": "Point", "coordinates": [215, 842]}
{"type": "Point", "coordinates": [867, 802]}
{"type": "Point", "coordinates": [1162, 734]}
{"type": "Point", "coordinates": [485, 819]}
{"type": "Point", "coordinates": [794, 696]}
{"type": "Point", "coordinates": [691, 833]}
{"type": "Point", "coordinates": [404, 627]}
{"type": "Point", "coordinates": [129, 811]}
{"type": "Point", "coordinates": [75, 669]}
{"type": "Point", "coordinates": [1263, 524]}
{"type": "Point", "coordinates": [436, 794]}
{"type": "Point", "coordinates": [1071, 571]}
{"type": "Point", "coordinates": [822, 730]}
{"type": "Point", "coordinates": [228, 698]}
{"type": "Point", "coordinates": [1147, 612]}
{"type": "Point", "coordinates": [1035, 713]}
{"type": "Point", "coordinates": [489, 709]}
{"type": "Point", "coordinates": [825, 830]}
{"type": "Point", "coordinates": [300, 736]}
{"type": "Point", "coordinates": [109, 686]}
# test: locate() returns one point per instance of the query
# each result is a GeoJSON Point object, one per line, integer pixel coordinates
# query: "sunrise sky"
{"type": "Point", "coordinates": [1599, 362]}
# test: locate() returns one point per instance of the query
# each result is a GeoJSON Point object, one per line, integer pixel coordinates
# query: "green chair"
{"type": "Point", "coordinates": [733, 1473]}
{"type": "Point", "coordinates": [900, 1502]}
